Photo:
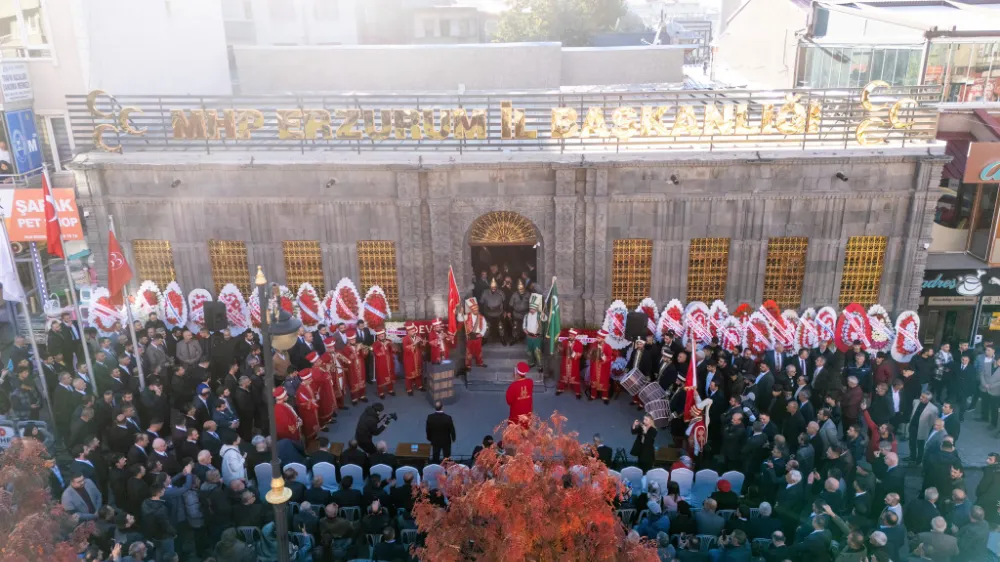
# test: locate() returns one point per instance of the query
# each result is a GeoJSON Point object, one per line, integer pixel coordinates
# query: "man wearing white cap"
{"type": "Point", "coordinates": [519, 395]}
{"type": "Point", "coordinates": [475, 330]}
{"type": "Point", "coordinates": [385, 364]}
{"type": "Point", "coordinates": [440, 342]}
{"type": "Point", "coordinates": [287, 422]}
{"type": "Point", "coordinates": [600, 367]}
{"type": "Point", "coordinates": [308, 407]}
{"type": "Point", "coordinates": [569, 375]}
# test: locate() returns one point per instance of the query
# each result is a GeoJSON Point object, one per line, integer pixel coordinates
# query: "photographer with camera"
{"type": "Point", "coordinates": [370, 424]}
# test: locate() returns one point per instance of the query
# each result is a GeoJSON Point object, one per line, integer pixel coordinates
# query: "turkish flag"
{"type": "Point", "coordinates": [453, 301]}
{"type": "Point", "coordinates": [119, 273]}
{"type": "Point", "coordinates": [691, 386]}
{"type": "Point", "coordinates": [53, 236]}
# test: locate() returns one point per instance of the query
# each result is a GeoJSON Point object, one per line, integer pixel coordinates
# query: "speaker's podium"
{"type": "Point", "coordinates": [439, 380]}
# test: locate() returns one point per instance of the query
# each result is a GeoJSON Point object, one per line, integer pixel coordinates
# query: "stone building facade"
{"type": "Point", "coordinates": [577, 205]}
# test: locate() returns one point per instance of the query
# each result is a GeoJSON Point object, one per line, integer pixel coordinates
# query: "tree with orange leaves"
{"type": "Point", "coordinates": [544, 497]}
{"type": "Point", "coordinates": [32, 526]}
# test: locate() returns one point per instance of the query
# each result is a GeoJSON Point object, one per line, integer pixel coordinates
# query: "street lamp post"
{"type": "Point", "coordinates": [278, 330]}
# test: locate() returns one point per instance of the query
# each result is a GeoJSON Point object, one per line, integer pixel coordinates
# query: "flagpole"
{"type": "Point", "coordinates": [76, 304]}
{"type": "Point", "coordinates": [31, 330]}
{"type": "Point", "coordinates": [131, 323]}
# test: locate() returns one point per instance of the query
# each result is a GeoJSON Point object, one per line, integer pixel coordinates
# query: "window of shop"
{"type": "Point", "coordinates": [631, 270]}
{"type": "Point", "coordinates": [982, 221]}
{"type": "Point", "coordinates": [54, 134]}
{"type": "Point", "coordinates": [785, 270]}
{"type": "Point", "coordinates": [304, 264]}
{"type": "Point", "coordinates": [708, 267]}
{"type": "Point", "coordinates": [954, 208]}
{"type": "Point", "coordinates": [861, 279]}
{"type": "Point", "coordinates": [968, 72]}
{"type": "Point", "coordinates": [377, 266]}
{"type": "Point", "coordinates": [229, 264]}
{"type": "Point", "coordinates": [154, 260]}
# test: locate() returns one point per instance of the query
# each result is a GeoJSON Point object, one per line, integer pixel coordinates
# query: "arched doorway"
{"type": "Point", "coordinates": [504, 238]}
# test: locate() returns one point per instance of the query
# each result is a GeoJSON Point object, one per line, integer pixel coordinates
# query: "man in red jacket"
{"type": "Point", "coordinates": [413, 358]}
{"type": "Point", "coordinates": [570, 367]}
{"type": "Point", "coordinates": [600, 368]}
{"type": "Point", "coordinates": [308, 407]}
{"type": "Point", "coordinates": [287, 422]}
{"type": "Point", "coordinates": [385, 364]}
{"type": "Point", "coordinates": [323, 381]}
{"type": "Point", "coordinates": [519, 395]}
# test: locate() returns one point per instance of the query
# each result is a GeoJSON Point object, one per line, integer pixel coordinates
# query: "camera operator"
{"type": "Point", "coordinates": [370, 424]}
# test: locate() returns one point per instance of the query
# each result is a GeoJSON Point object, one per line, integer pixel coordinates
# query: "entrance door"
{"type": "Point", "coordinates": [508, 260]}
{"type": "Point", "coordinates": [503, 242]}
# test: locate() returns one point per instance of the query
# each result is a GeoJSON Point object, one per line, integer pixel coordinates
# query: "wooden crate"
{"type": "Point", "coordinates": [439, 380]}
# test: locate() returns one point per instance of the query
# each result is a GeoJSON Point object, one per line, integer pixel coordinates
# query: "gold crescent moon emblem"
{"type": "Point", "coordinates": [894, 113]}
{"type": "Point", "coordinates": [92, 104]}
{"type": "Point", "coordinates": [863, 130]}
{"type": "Point", "coordinates": [866, 93]}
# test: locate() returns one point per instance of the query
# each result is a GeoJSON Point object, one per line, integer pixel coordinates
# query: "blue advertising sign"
{"type": "Point", "coordinates": [24, 143]}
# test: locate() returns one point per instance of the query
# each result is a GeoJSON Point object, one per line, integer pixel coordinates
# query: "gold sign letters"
{"type": "Point", "coordinates": [789, 117]}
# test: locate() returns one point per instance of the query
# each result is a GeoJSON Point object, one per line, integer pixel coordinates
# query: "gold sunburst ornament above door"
{"type": "Point", "coordinates": [502, 228]}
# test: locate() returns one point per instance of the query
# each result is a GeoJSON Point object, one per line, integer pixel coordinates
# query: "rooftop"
{"type": "Point", "coordinates": [949, 16]}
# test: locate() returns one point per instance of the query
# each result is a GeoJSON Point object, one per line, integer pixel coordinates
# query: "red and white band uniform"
{"type": "Point", "coordinates": [440, 343]}
{"type": "Point", "coordinates": [413, 359]}
{"type": "Point", "coordinates": [308, 407]}
{"type": "Point", "coordinates": [354, 357]}
{"type": "Point", "coordinates": [385, 364]}
{"type": "Point", "coordinates": [569, 376]}
{"type": "Point", "coordinates": [287, 421]}
{"type": "Point", "coordinates": [475, 331]}
{"type": "Point", "coordinates": [600, 369]}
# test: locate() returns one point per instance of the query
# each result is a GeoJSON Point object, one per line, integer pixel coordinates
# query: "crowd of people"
{"type": "Point", "coordinates": [817, 436]}
{"type": "Point", "coordinates": [164, 466]}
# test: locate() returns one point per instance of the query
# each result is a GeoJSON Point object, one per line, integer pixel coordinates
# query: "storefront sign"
{"type": "Point", "coordinates": [15, 83]}
{"type": "Point", "coordinates": [948, 282]}
{"type": "Point", "coordinates": [993, 300]}
{"type": "Point", "coordinates": [983, 164]}
{"type": "Point", "coordinates": [951, 301]}
{"type": "Point", "coordinates": [24, 143]}
{"type": "Point", "coordinates": [873, 115]}
{"type": "Point", "coordinates": [24, 211]}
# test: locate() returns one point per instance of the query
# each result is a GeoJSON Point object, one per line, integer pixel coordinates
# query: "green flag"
{"type": "Point", "coordinates": [555, 321]}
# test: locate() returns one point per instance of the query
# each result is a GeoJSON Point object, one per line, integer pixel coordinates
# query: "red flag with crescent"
{"type": "Point", "coordinates": [454, 299]}
{"type": "Point", "coordinates": [53, 235]}
{"type": "Point", "coordinates": [691, 386]}
{"type": "Point", "coordinates": [119, 272]}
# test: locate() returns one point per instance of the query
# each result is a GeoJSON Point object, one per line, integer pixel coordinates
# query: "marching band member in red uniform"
{"type": "Point", "coordinates": [354, 358]}
{"type": "Point", "coordinates": [570, 372]}
{"type": "Point", "coordinates": [520, 395]}
{"type": "Point", "coordinates": [306, 402]}
{"type": "Point", "coordinates": [323, 380]}
{"type": "Point", "coordinates": [440, 342]}
{"type": "Point", "coordinates": [413, 358]}
{"type": "Point", "coordinates": [600, 367]}
{"type": "Point", "coordinates": [385, 364]}
{"type": "Point", "coordinates": [287, 422]}
{"type": "Point", "coordinates": [475, 330]}
{"type": "Point", "coordinates": [335, 363]}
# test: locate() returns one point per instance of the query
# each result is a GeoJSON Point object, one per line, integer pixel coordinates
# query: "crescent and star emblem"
{"type": "Point", "coordinates": [116, 260]}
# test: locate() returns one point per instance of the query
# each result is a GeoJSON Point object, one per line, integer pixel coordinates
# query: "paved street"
{"type": "Point", "coordinates": [477, 413]}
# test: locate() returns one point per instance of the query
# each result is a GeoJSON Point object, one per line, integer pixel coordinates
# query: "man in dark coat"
{"type": "Point", "coordinates": [733, 441]}
{"type": "Point", "coordinates": [440, 432]}
{"type": "Point", "coordinates": [793, 425]}
{"type": "Point", "coordinates": [988, 491]}
{"type": "Point", "coordinates": [244, 404]}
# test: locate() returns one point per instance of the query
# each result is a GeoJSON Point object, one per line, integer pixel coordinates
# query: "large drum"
{"type": "Point", "coordinates": [660, 410]}
{"type": "Point", "coordinates": [634, 381]}
{"type": "Point", "coordinates": [652, 391]}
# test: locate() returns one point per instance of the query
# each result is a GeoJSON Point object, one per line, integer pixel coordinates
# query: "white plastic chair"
{"type": "Point", "coordinates": [329, 474]}
{"type": "Point", "coordinates": [684, 479]}
{"type": "Point", "coordinates": [383, 470]}
{"type": "Point", "coordinates": [301, 472]}
{"type": "Point", "coordinates": [633, 475]}
{"type": "Point", "coordinates": [705, 483]}
{"type": "Point", "coordinates": [580, 474]}
{"type": "Point", "coordinates": [408, 536]}
{"type": "Point", "coordinates": [661, 477]}
{"type": "Point", "coordinates": [356, 474]}
{"type": "Point", "coordinates": [430, 475]}
{"type": "Point", "coordinates": [736, 479]}
{"type": "Point", "coordinates": [262, 472]}
{"type": "Point", "coordinates": [403, 470]}
{"type": "Point", "coordinates": [615, 474]}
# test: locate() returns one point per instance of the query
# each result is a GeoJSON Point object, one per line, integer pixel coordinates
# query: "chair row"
{"type": "Point", "coordinates": [629, 517]}
{"type": "Point", "coordinates": [328, 472]}
{"type": "Point", "coordinates": [253, 536]}
{"type": "Point", "coordinates": [693, 486]}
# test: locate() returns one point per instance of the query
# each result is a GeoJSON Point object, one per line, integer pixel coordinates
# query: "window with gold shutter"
{"type": "Point", "coordinates": [154, 260]}
{"type": "Point", "coordinates": [228, 259]}
{"type": "Point", "coordinates": [864, 261]}
{"type": "Point", "coordinates": [785, 270]}
{"type": "Point", "coordinates": [377, 266]}
{"type": "Point", "coordinates": [304, 264]}
{"type": "Point", "coordinates": [631, 270]}
{"type": "Point", "coordinates": [708, 267]}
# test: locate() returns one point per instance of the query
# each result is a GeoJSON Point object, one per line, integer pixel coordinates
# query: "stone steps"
{"type": "Point", "coordinates": [499, 372]}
